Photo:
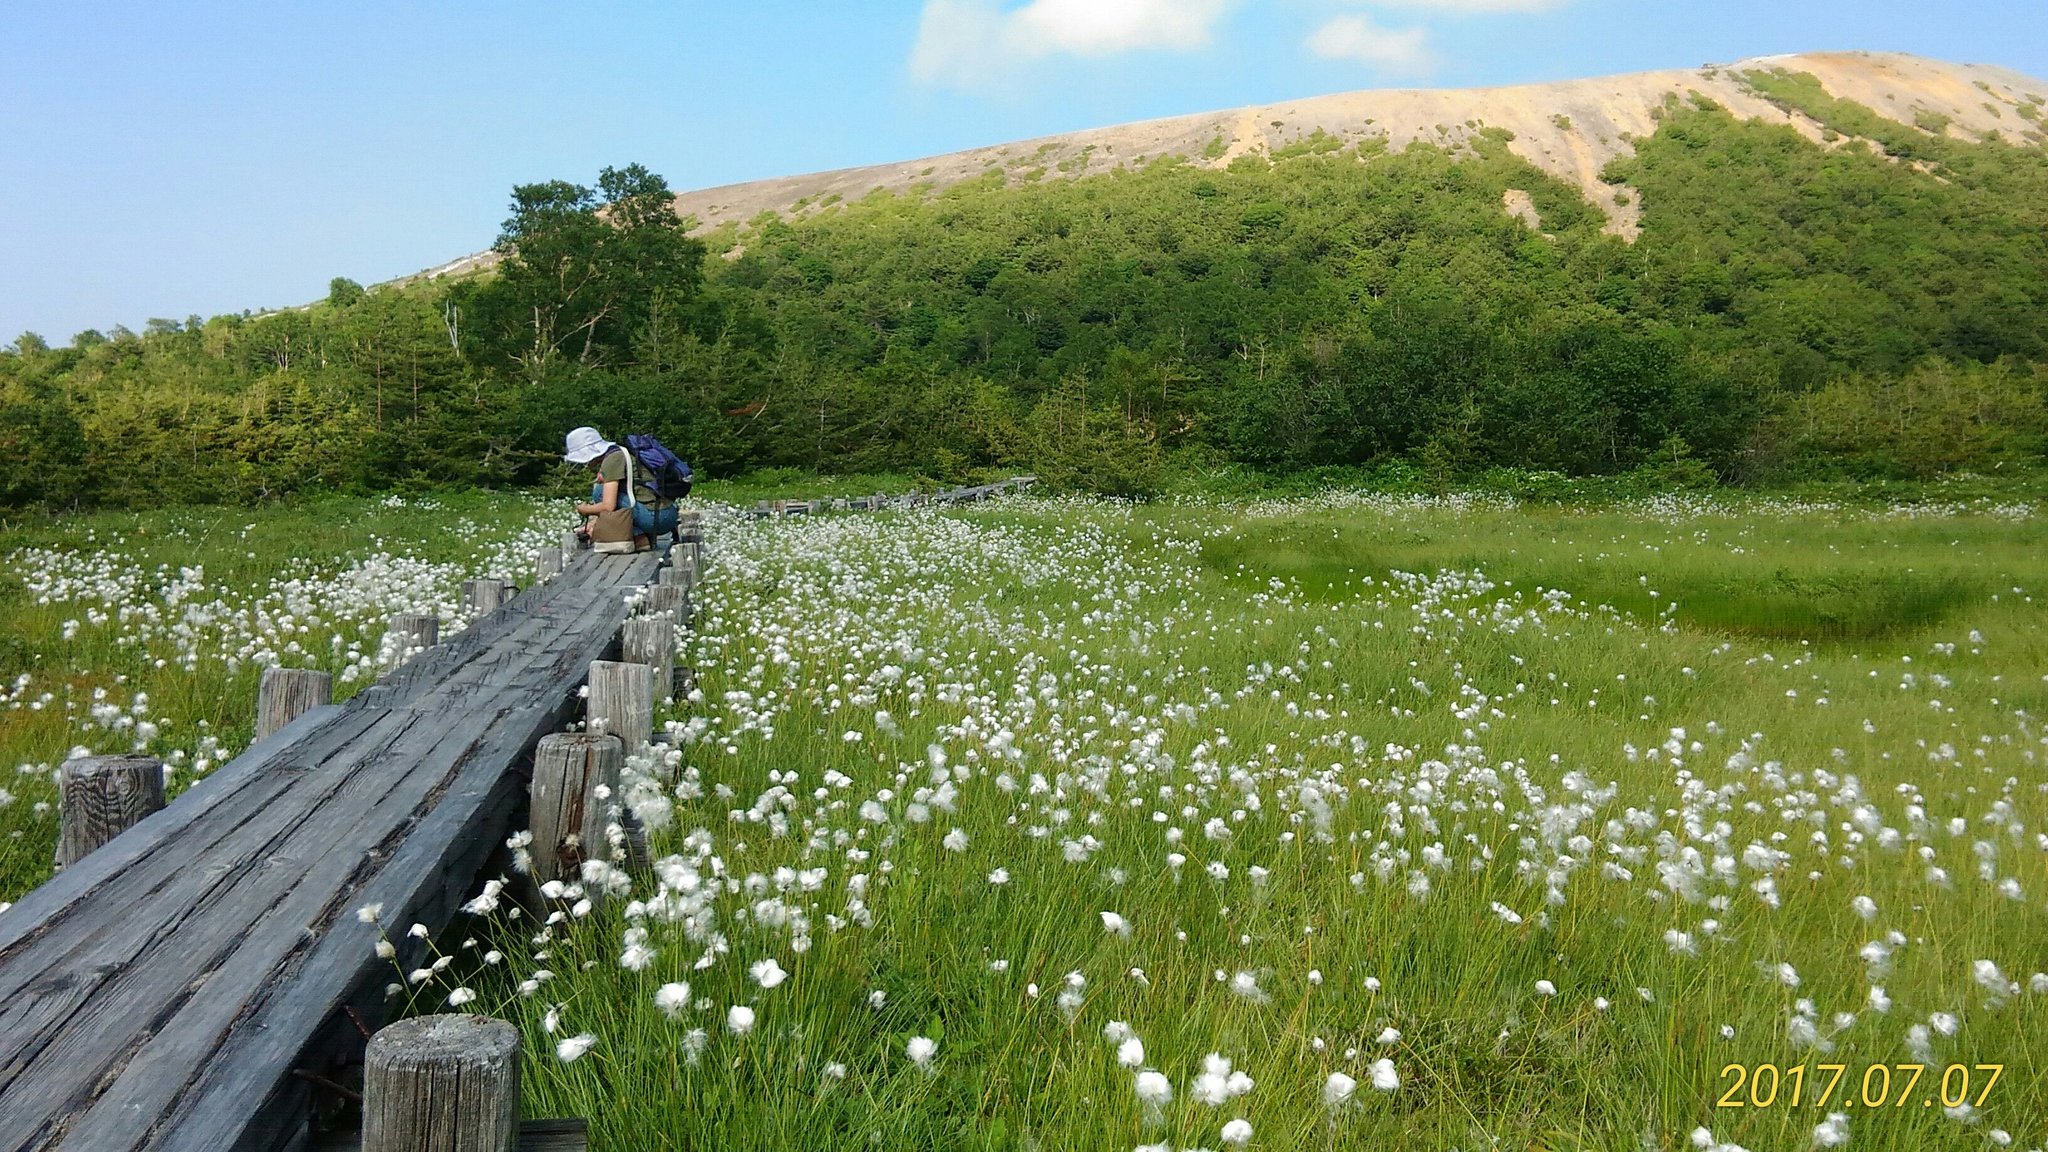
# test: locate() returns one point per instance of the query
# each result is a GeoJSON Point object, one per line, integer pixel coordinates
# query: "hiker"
{"type": "Point", "coordinates": [625, 513]}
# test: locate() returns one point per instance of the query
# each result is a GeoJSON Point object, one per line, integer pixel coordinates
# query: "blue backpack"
{"type": "Point", "coordinates": [661, 471]}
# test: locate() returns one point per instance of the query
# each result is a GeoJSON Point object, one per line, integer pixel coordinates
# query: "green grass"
{"type": "Point", "coordinates": [1834, 665]}
{"type": "Point", "coordinates": [1144, 608]}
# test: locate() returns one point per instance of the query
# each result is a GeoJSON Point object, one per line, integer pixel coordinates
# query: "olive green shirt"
{"type": "Point", "coordinates": [613, 469]}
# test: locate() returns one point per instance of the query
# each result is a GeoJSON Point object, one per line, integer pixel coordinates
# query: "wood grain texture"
{"type": "Point", "coordinates": [573, 772]}
{"type": "Point", "coordinates": [285, 693]}
{"type": "Point", "coordinates": [673, 599]}
{"type": "Point", "coordinates": [484, 594]}
{"type": "Point", "coordinates": [651, 640]}
{"type": "Point", "coordinates": [411, 634]}
{"type": "Point", "coordinates": [436, 1083]}
{"type": "Point", "coordinates": [100, 797]}
{"type": "Point", "coordinates": [164, 1006]}
{"type": "Point", "coordinates": [621, 702]}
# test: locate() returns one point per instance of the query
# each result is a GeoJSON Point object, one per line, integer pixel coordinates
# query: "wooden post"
{"type": "Point", "coordinates": [567, 816]}
{"type": "Point", "coordinates": [651, 640]}
{"type": "Point", "coordinates": [100, 797]}
{"type": "Point", "coordinates": [673, 599]}
{"type": "Point", "coordinates": [415, 632]}
{"type": "Point", "coordinates": [622, 702]}
{"type": "Point", "coordinates": [570, 542]}
{"type": "Point", "coordinates": [436, 1082]}
{"type": "Point", "coordinates": [547, 564]}
{"type": "Point", "coordinates": [689, 538]}
{"type": "Point", "coordinates": [485, 594]}
{"type": "Point", "coordinates": [283, 693]}
{"type": "Point", "coordinates": [683, 571]}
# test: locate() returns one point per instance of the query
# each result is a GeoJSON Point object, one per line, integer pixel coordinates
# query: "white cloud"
{"type": "Point", "coordinates": [1468, 7]}
{"type": "Point", "coordinates": [966, 43]}
{"type": "Point", "coordinates": [1401, 50]}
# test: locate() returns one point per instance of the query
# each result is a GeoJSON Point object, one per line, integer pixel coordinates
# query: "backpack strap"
{"type": "Point", "coordinates": [625, 499]}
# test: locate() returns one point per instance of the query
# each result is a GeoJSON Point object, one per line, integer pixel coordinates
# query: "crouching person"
{"type": "Point", "coordinates": [614, 519]}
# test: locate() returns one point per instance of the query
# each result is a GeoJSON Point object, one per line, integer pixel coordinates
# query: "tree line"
{"type": "Point", "coordinates": [1866, 306]}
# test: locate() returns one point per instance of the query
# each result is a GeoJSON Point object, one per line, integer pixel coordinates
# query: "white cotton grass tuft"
{"type": "Point", "coordinates": [1237, 1133]}
{"type": "Point", "coordinates": [767, 973]}
{"type": "Point", "coordinates": [1832, 1132]}
{"type": "Point", "coordinates": [1246, 985]}
{"type": "Point", "coordinates": [1337, 1090]}
{"type": "Point", "coordinates": [1384, 1076]}
{"type": "Point", "coordinates": [572, 1048]}
{"type": "Point", "coordinates": [739, 1020]}
{"type": "Point", "coordinates": [1154, 1093]}
{"type": "Point", "coordinates": [672, 999]}
{"type": "Point", "coordinates": [1218, 1083]}
{"type": "Point", "coordinates": [922, 1050]}
{"type": "Point", "coordinates": [1113, 923]}
{"type": "Point", "coordinates": [1131, 1053]}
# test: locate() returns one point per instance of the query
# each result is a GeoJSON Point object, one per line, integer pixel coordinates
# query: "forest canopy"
{"type": "Point", "coordinates": [1868, 308]}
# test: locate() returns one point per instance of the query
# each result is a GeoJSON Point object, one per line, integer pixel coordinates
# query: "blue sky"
{"type": "Point", "coordinates": [165, 159]}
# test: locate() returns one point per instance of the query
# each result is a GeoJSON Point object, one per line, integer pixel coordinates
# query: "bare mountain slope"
{"type": "Point", "coordinates": [1570, 129]}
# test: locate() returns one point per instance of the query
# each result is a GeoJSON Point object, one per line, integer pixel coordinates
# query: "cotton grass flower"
{"type": "Point", "coordinates": [921, 1050]}
{"type": "Point", "coordinates": [572, 1048]}
{"type": "Point", "coordinates": [1237, 1133]}
{"type": "Point", "coordinates": [739, 1020]}
{"type": "Point", "coordinates": [767, 973]}
{"type": "Point", "coordinates": [1832, 1132]}
{"type": "Point", "coordinates": [1246, 986]}
{"type": "Point", "coordinates": [1337, 1090]}
{"type": "Point", "coordinates": [673, 999]}
{"type": "Point", "coordinates": [1384, 1077]}
{"type": "Point", "coordinates": [1116, 925]}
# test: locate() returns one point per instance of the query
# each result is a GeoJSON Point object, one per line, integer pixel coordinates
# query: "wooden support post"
{"type": "Point", "coordinates": [622, 702]}
{"type": "Point", "coordinates": [485, 594]}
{"type": "Point", "coordinates": [412, 633]}
{"type": "Point", "coordinates": [673, 599]}
{"type": "Point", "coordinates": [100, 797]}
{"type": "Point", "coordinates": [283, 693]}
{"type": "Point", "coordinates": [689, 539]}
{"type": "Point", "coordinates": [570, 542]}
{"type": "Point", "coordinates": [442, 1082]}
{"type": "Point", "coordinates": [568, 815]}
{"type": "Point", "coordinates": [547, 564]}
{"type": "Point", "coordinates": [682, 571]}
{"type": "Point", "coordinates": [651, 640]}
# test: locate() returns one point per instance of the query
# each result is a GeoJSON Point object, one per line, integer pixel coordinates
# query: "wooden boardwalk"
{"type": "Point", "coordinates": [970, 495]}
{"type": "Point", "coordinates": [192, 984]}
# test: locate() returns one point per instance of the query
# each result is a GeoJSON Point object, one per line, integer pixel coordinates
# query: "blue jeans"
{"type": "Point", "coordinates": [651, 522]}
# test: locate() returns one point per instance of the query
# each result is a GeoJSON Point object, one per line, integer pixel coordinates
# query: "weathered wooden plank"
{"type": "Point", "coordinates": [421, 881]}
{"type": "Point", "coordinates": [165, 1009]}
{"type": "Point", "coordinates": [425, 878]}
{"type": "Point", "coordinates": [163, 971]}
{"type": "Point", "coordinates": [159, 836]}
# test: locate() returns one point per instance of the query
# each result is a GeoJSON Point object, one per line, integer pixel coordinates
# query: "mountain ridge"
{"type": "Point", "coordinates": [1570, 129]}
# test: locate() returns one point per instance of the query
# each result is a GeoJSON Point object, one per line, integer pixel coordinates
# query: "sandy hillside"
{"type": "Point", "coordinates": [1570, 129]}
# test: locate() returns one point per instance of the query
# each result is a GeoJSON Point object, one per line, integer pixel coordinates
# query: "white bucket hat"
{"type": "Point", "coordinates": [584, 445]}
